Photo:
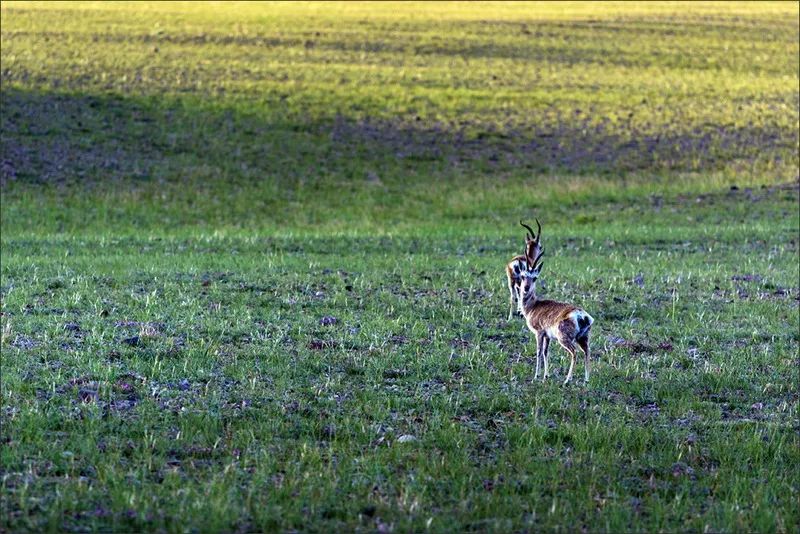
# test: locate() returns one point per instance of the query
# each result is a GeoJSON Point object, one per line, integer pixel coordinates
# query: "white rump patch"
{"type": "Point", "coordinates": [518, 267]}
{"type": "Point", "coordinates": [576, 315]}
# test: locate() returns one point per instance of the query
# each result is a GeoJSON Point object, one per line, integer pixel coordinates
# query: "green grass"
{"type": "Point", "coordinates": [246, 250]}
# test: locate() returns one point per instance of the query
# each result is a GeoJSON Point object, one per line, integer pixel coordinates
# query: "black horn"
{"type": "Point", "coordinates": [530, 230]}
{"type": "Point", "coordinates": [538, 259]}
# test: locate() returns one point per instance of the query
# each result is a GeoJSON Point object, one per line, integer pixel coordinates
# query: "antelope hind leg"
{"type": "Point", "coordinates": [546, 358]}
{"type": "Point", "coordinates": [539, 349]}
{"type": "Point", "coordinates": [569, 347]}
{"type": "Point", "coordinates": [583, 343]}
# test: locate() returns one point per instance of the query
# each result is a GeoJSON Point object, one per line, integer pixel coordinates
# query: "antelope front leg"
{"type": "Point", "coordinates": [513, 300]}
{"type": "Point", "coordinates": [539, 348]}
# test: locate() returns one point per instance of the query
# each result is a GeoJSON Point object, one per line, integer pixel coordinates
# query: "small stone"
{"type": "Point", "coordinates": [406, 438]}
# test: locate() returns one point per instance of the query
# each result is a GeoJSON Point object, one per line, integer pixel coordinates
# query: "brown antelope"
{"type": "Point", "coordinates": [518, 264]}
{"type": "Point", "coordinates": [548, 319]}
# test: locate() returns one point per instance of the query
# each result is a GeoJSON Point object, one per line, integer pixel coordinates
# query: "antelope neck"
{"type": "Point", "coordinates": [529, 301]}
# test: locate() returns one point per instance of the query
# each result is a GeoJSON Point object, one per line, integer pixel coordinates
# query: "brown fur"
{"type": "Point", "coordinates": [543, 315]}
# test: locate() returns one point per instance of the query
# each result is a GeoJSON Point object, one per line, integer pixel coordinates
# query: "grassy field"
{"type": "Point", "coordinates": [253, 266]}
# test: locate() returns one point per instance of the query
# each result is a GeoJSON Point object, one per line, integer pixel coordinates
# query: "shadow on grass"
{"type": "Point", "coordinates": [66, 138]}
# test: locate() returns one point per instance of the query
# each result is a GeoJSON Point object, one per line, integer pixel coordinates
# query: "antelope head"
{"type": "Point", "coordinates": [533, 242]}
{"type": "Point", "coordinates": [530, 276]}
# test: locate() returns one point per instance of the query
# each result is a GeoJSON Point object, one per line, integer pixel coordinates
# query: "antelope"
{"type": "Point", "coordinates": [548, 319]}
{"type": "Point", "coordinates": [518, 264]}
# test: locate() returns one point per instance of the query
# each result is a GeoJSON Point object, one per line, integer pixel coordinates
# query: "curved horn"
{"type": "Point", "coordinates": [539, 226]}
{"type": "Point", "coordinates": [538, 259]}
{"type": "Point", "coordinates": [530, 230]}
